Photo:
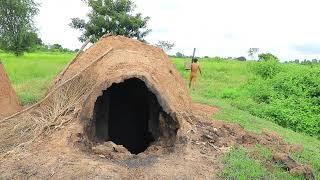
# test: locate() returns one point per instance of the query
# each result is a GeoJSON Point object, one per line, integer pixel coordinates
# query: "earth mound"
{"type": "Point", "coordinates": [8, 100]}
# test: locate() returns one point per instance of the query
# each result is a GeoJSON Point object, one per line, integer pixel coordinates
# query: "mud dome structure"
{"type": "Point", "coordinates": [138, 98]}
{"type": "Point", "coordinates": [119, 90]}
{"type": "Point", "coordinates": [8, 100]}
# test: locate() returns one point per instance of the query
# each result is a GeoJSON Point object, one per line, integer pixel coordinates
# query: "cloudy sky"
{"type": "Point", "coordinates": [289, 29]}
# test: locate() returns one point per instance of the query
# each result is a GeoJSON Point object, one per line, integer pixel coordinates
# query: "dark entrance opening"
{"type": "Point", "coordinates": [128, 114]}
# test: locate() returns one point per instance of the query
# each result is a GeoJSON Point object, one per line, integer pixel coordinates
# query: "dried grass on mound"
{"type": "Point", "coordinates": [52, 113]}
{"type": "Point", "coordinates": [57, 109]}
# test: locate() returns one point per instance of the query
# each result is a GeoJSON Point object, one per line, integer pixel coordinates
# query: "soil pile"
{"type": "Point", "coordinates": [8, 99]}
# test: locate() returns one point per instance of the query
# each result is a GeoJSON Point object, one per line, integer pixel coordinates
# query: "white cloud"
{"type": "Point", "coordinates": [215, 27]}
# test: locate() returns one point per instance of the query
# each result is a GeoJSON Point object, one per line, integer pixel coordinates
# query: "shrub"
{"type": "Point", "coordinates": [290, 98]}
{"type": "Point", "coordinates": [267, 57]}
{"type": "Point", "coordinates": [260, 91]}
{"type": "Point", "coordinates": [266, 69]}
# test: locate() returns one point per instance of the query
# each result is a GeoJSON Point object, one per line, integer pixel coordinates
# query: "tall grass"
{"type": "Point", "coordinates": [30, 74]}
{"type": "Point", "coordinates": [225, 84]}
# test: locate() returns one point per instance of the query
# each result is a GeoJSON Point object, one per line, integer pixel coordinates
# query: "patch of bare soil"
{"type": "Point", "coordinates": [56, 157]}
{"type": "Point", "coordinates": [204, 110]}
{"type": "Point", "coordinates": [8, 99]}
{"type": "Point", "coordinates": [196, 156]}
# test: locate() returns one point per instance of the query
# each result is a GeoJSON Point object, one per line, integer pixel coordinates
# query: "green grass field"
{"type": "Point", "coordinates": [222, 85]}
{"type": "Point", "coordinates": [222, 76]}
{"type": "Point", "coordinates": [31, 74]}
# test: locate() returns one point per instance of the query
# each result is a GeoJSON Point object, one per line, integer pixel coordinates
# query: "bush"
{"type": "Point", "coordinates": [267, 57]}
{"type": "Point", "coordinates": [290, 98]}
{"type": "Point", "coordinates": [266, 69]}
{"type": "Point", "coordinates": [260, 91]}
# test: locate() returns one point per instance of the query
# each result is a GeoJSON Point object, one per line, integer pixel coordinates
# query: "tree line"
{"type": "Point", "coordinates": [18, 33]}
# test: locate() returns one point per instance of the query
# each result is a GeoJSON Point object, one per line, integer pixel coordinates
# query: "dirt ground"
{"type": "Point", "coordinates": [195, 157]}
{"type": "Point", "coordinates": [58, 158]}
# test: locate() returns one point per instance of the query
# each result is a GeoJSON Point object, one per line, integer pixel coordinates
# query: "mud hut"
{"type": "Point", "coordinates": [119, 90]}
{"type": "Point", "coordinates": [137, 97]}
{"type": "Point", "coordinates": [8, 100]}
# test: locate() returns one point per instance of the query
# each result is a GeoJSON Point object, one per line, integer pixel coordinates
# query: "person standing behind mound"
{"type": "Point", "coordinates": [195, 67]}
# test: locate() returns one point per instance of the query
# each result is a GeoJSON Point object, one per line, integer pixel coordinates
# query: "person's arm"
{"type": "Point", "coordinates": [200, 71]}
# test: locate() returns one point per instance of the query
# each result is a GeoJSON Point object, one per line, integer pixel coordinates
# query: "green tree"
{"type": "Point", "coordinates": [17, 31]}
{"type": "Point", "coordinates": [180, 55]}
{"type": "Point", "coordinates": [111, 16]}
{"type": "Point", "coordinates": [268, 66]}
{"type": "Point", "coordinates": [56, 47]}
{"type": "Point", "coordinates": [241, 58]}
{"type": "Point", "coordinates": [267, 57]}
{"type": "Point", "coordinates": [252, 52]}
{"type": "Point", "coordinates": [165, 45]}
